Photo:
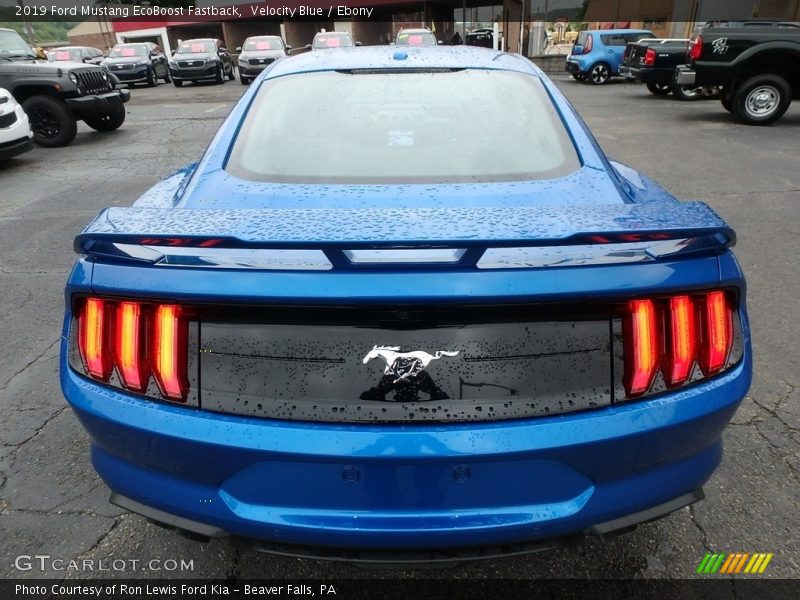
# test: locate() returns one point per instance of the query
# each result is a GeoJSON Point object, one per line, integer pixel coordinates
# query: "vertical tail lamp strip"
{"type": "Point", "coordinates": [718, 327]}
{"type": "Point", "coordinates": [643, 351]}
{"type": "Point", "coordinates": [129, 344]}
{"type": "Point", "coordinates": [169, 352]}
{"type": "Point", "coordinates": [682, 344]}
{"type": "Point", "coordinates": [92, 335]}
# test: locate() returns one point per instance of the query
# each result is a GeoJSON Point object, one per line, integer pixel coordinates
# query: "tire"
{"type": "Point", "coordinates": [244, 80]}
{"type": "Point", "coordinates": [167, 78]}
{"type": "Point", "coordinates": [107, 122]}
{"type": "Point", "coordinates": [52, 123]}
{"type": "Point", "coordinates": [659, 89]}
{"type": "Point", "coordinates": [761, 100]}
{"type": "Point", "coordinates": [599, 74]}
{"type": "Point", "coordinates": [232, 76]}
{"type": "Point", "coordinates": [151, 77]}
{"type": "Point", "coordinates": [726, 102]}
{"type": "Point", "coordinates": [220, 75]}
{"type": "Point", "coordinates": [579, 76]}
{"type": "Point", "coordinates": [177, 82]}
{"type": "Point", "coordinates": [686, 92]}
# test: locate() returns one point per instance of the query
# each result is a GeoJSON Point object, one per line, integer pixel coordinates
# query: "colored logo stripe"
{"type": "Point", "coordinates": [734, 563]}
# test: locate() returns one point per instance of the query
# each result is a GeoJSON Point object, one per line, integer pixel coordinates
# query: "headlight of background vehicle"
{"type": "Point", "coordinates": [73, 78]}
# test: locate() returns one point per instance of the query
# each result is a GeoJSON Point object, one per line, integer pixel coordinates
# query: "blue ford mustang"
{"type": "Point", "coordinates": [403, 308]}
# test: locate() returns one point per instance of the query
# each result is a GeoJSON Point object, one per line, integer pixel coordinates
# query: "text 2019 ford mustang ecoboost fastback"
{"type": "Point", "coordinates": [357, 329]}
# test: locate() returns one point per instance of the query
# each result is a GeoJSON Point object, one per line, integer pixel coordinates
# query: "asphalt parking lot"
{"type": "Point", "coordinates": [52, 503]}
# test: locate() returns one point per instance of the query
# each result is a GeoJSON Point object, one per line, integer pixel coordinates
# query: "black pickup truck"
{"type": "Point", "coordinates": [653, 62]}
{"type": "Point", "coordinates": [758, 68]}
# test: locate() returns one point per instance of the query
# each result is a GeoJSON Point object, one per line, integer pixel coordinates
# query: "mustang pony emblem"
{"type": "Point", "coordinates": [404, 365]}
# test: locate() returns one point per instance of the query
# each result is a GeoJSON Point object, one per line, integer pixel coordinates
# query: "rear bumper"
{"type": "Point", "coordinates": [646, 75]}
{"type": "Point", "coordinates": [407, 487]}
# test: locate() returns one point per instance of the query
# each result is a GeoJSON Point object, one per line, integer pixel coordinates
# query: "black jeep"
{"type": "Point", "coordinates": [56, 95]}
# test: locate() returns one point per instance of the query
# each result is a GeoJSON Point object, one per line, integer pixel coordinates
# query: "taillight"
{"type": "Point", "coordinates": [587, 47]}
{"type": "Point", "coordinates": [137, 340]}
{"type": "Point", "coordinates": [680, 347]}
{"type": "Point", "coordinates": [716, 332]}
{"type": "Point", "coordinates": [169, 352]}
{"type": "Point", "coordinates": [696, 48]}
{"type": "Point", "coordinates": [641, 347]}
{"type": "Point", "coordinates": [130, 354]}
{"type": "Point", "coordinates": [671, 335]}
{"type": "Point", "coordinates": [92, 339]}
{"type": "Point", "coordinates": [649, 57]}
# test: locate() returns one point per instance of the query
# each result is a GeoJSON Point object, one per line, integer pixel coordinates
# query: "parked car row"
{"type": "Point", "coordinates": [752, 66]}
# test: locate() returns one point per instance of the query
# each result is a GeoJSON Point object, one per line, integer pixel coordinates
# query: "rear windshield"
{"type": "Point", "coordinates": [196, 47]}
{"type": "Point", "coordinates": [66, 54]}
{"type": "Point", "coordinates": [266, 43]}
{"type": "Point", "coordinates": [328, 40]}
{"type": "Point", "coordinates": [412, 127]}
{"type": "Point", "coordinates": [132, 50]}
{"type": "Point", "coordinates": [416, 38]}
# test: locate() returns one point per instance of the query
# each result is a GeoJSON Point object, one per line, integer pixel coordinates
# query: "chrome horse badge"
{"type": "Point", "coordinates": [404, 375]}
{"type": "Point", "coordinates": [404, 365]}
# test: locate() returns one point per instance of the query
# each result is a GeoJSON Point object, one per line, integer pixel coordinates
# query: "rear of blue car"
{"type": "Point", "coordinates": [445, 370]}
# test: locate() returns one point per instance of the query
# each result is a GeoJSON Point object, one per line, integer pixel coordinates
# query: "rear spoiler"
{"type": "Point", "coordinates": [154, 234]}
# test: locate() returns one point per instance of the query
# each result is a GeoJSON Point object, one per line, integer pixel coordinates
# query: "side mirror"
{"type": "Point", "coordinates": [238, 49]}
{"type": "Point", "coordinates": [358, 43]}
{"type": "Point", "coordinates": [307, 47]}
{"type": "Point", "coordinates": [288, 48]}
{"type": "Point", "coordinates": [439, 42]}
{"type": "Point", "coordinates": [223, 50]}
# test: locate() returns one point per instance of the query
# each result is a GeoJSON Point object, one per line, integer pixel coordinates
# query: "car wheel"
{"type": "Point", "coordinates": [686, 92]}
{"type": "Point", "coordinates": [244, 80]}
{"type": "Point", "coordinates": [177, 82]}
{"type": "Point", "coordinates": [151, 77]}
{"type": "Point", "coordinates": [761, 100]}
{"type": "Point", "coordinates": [579, 76]}
{"type": "Point", "coordinates": [599, 74]}
{"type": "Point", "coordinates": [52, 123]}
{"type": "Point", "coordinates": [659, 89]}
{"type": "Point", "coordinates": [220, 75]}
{"type": "Point", "coordinates": [232, 75]}
{"type": "Point", "coordinates": [167, 78]}
{"type": "Point", "coordinates": [107, 122]}
{"type": "Point", "coordinates": [725, 100]}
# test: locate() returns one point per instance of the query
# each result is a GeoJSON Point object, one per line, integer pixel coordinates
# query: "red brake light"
{"type": "Point", "coordinates": [169, 351]}
{"type": "Point", "coordinates": [649, 57]}
{"type": "Point", "coordinates": [696, 48]}
{"type": "Point", "coordinates": [680, 342]}
{"type": "Point", "coordinates": [129, 346]}
{"type": "Point", "coordinates": [92, 338]}
{"type": "Point", "coordinates": [641, 347]}
{"type": "Point", "coordinates": [716, 332]}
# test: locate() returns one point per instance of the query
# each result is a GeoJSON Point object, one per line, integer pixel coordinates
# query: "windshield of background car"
{"type": "Point", "coordinates": [416, 38]}
{"type": "Point", "coordinates": [332, 41]}
{"type": "Point", "coordinates": [402, 127]}
{"type": "Point", "coordinates": [12, 43]}
{"type": "Point", "coordinates": [127, 51]}
{"type": "Point", "coordinates": [196, 48]}
{"type": "Point", "coordinates": [258, 44]}
{"type": "Point", "coordinates": [66, 54]}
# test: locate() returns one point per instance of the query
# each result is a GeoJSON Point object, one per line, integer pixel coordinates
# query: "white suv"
{"type": "Point", "coordinates": [16, 136]}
